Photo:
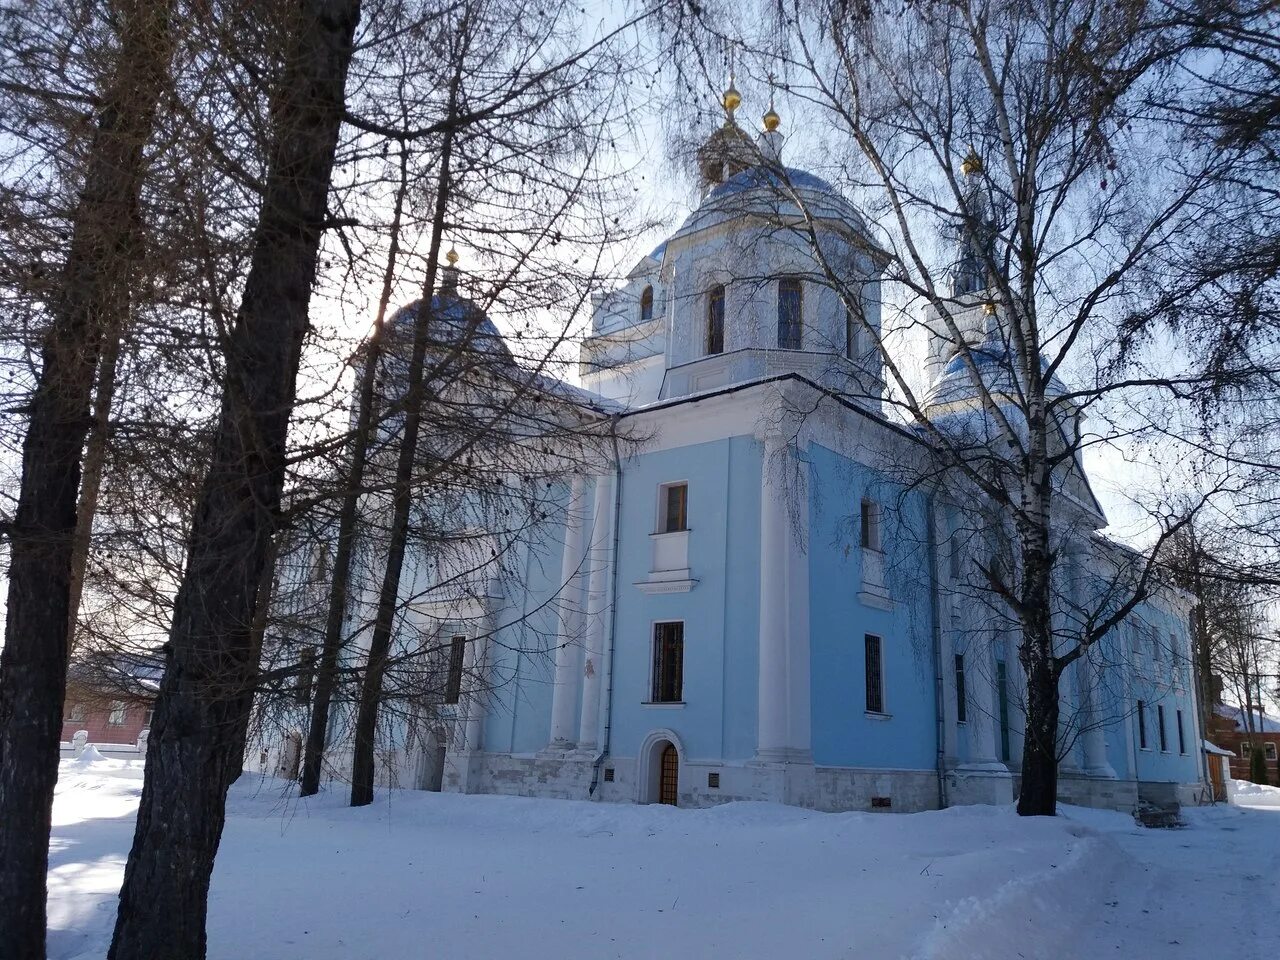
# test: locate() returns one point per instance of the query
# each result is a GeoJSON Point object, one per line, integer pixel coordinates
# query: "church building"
{"type": "Point", "coordinates": [764, 597]}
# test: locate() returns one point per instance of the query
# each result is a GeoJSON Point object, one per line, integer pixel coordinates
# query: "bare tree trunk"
{"type": "Point", "coordinates": [94, 291]}
{"type": "Point", "coordinates": [95, 458]}
{"type": "Point", "coordinates": [197, 739]}
{"type": "Point", "coordinates": [327, 672]}
{"type": "Point", "coordinates": [1039, 793]}
{"type": "Point", "coordinates": [362, 761]}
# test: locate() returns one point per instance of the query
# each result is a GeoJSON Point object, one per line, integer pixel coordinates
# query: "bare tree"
{"type": "Point", "coordinates": [87, 304]}
{"type": "Point", "coordinates": [202, 710]}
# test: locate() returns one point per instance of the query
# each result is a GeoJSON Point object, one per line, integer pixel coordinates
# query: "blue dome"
{"type": "Point", "coordinates": [772, 178]}
{"type": "Point", "coordinates": [767, 191]}
{"type": "Point", "coordinates": [453, 316]}
{"type": "Point", "coordinates": [954, 404]}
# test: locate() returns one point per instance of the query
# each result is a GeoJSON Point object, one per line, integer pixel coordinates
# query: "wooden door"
{"type": "Point", "coordinates": [668, 786]}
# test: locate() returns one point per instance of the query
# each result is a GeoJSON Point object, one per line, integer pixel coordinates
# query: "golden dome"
{"type": "Point", "coordinates": [989, 308]}
{"type": "Point", "coordinates": [451, 256]}
{"type": "Point", "coordinates": [772, 120]}
{"type": "Point", "coordinates": [731, 98]}
{"type": "Point", "coordinates": [971, 165]}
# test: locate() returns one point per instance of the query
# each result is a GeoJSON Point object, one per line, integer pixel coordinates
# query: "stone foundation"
{"type": "Point", "coordinates": [1104, 793]}
{"type": "Point", "coordinates": [569, 776]}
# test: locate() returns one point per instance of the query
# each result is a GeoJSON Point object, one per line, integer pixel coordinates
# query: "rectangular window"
{"type": "Point", "coordinates": [453, 684]}
{"type": "Point", "coordinates": [1002, 703]}
{"type": "Point", "coordinates": [875, 674]}
{"type": "Point", "coordinates": [870, 525]}
{"type": "Point", "coordinates": [789, 314]}
{"type": "Point", "coordinates": [1164, 741]}
{"type": "Point", "coordinates": [668, 662]}
{"type": "Point", "coordinates": [75, 713]}
{"type": "Point", "coordinates": [1270, 749]}
{"type": "Point", "coordinates": [1142, 725]}
{"type": "Point", "coordinates": [675, 508]}
{"type": "Point", "coordinates": [306, 676]}
{"type": "Point", "coordinates": [116, 715]}
{"type": "Point", "coordinates": [715, 320]}
{"type": "Point", "coordinates": [1244, 751]}
{"type": "Point", "coordinates": [1182, 737]}
{"type": "Point", "coordinates": [961, 702]}
{"type": "Point", "coordinates": [850, 335]}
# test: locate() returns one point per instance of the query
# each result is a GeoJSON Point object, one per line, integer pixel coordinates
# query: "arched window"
{"type": "Point", "coordinates": [646, 304]}
{"type": "Point", "coordinates": [715, 320]}
{"type": "Point", "coordinates": [789, 312]}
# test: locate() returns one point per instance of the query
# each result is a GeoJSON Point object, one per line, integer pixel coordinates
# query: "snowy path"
{"type": "Point", "coordinates": [421, 875]}
{"type": "Point", "coordinates": [1205, 891]}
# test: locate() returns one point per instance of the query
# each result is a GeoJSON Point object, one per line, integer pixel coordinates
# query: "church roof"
{"type": "Point", "coordinates": [453, 317]}
{"type": "Point", "coordinates": [954, 390]}
{"type": "Point", "coordinates": [772, 190]}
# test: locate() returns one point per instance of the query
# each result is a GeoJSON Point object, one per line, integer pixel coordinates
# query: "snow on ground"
{"type": "Point", "coordinates": [422, 874]}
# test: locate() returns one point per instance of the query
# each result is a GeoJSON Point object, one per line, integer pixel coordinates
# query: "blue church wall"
{"type": "Point", "coordinates": [1164, 680]}
{"type": "Point", "coordinates": [843, 732]}
{"type": "Point", "coordinates": [522, 652]}
{"type": "Point", "coordinates": [718, 716]}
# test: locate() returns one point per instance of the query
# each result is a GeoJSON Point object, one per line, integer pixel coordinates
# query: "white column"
{"type": "Point", "coordinates": [476, 668]}
{"type": "Point", "coordinates": [783, 692]}
{"type": "Point", "coordinates": [982, 714]}
{"type": "Point", "coordinates": [1015, 686]}
{"type": "Point", "coordinates": [1069, 707]}
{"type": "Point", "coordinates": [1096, 763]}
{"type": "Point", "coordinates": [597, 611]}
{"type": "Point", "coordinates": [569, 639]}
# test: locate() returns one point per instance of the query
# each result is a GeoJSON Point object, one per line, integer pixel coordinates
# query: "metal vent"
{"type": "Point", "coordinates": [713, 781]}
{"type": "Point", "coordinates": [608, 774]}
{"type": "Point", "coordinates": [881, 803]}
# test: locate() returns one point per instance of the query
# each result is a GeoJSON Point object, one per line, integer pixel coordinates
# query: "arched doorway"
{"type": "Point", "coordinates": [669, 775]}
{"type": "Point", "coordinates": [431, 761]}
{"type": "Point", "coordinates": [658, 768]}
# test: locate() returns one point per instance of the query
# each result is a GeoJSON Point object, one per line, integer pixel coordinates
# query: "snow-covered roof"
{"type": "Point", "coordinates": [1216, 750]}
{"type": "Point", "coordinates": [551, 386]}
{"type": "Point", "coordinates": [954, 386]}
{"type": "Point", "coordinates": [452, 319]}
{"type": "Point", "coordinates": [771, 191]}
{"type": "Point", "coordinates": [1261, 722]}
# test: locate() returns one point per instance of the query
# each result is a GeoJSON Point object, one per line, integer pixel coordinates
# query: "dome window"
{"type": "Point", "coordinates": [715, 320]}
{"type": "Point", "coordinates": [790, 305]}
{"type": "Point", "coordinates": [646, 304]}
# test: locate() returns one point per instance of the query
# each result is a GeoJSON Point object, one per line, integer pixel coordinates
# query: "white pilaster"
{"type": "Point", "coordinates": [597, 611]}
{"type": "Point", "coordinates": [476, 665]}
{"type": "Point", "coordinates": [983, 710]}
{"type": "Point", "coordinates": [569, 636]}
{"type": "Point", "coordinates": [783, 687]}
{"type": "Point", "coordinates": [1096, 763]}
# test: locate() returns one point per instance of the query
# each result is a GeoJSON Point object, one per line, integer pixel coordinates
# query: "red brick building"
{"type": "Point", "coordinates": [1227, 728]}
{"type": "Point", "coordinates": [111, 697]}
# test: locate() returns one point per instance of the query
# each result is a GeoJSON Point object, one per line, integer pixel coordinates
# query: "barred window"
{"type": "Point", "coordinates": [668, 662]}
{"type": "Point", "coordinates": [875, 674]}
{"type": "Point", "coordinates": [961, 698]}
{"type": "Point", "coordinates": [453, 685]}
